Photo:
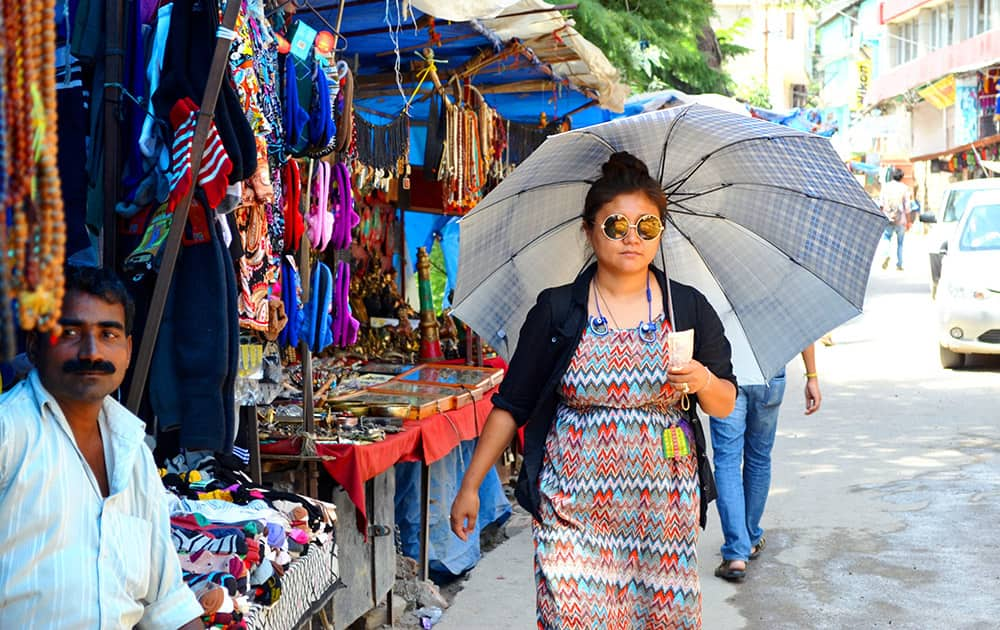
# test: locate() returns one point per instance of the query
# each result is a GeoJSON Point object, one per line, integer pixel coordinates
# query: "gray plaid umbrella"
{"type": "Point", "coordinates": [764, 220]}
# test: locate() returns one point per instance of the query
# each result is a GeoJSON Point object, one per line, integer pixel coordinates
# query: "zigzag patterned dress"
{"type": "Point", "coordinates": [616, 546]}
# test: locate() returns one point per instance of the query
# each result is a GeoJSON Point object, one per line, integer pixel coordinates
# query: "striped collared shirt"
{"type": "Point", "coordinates": [72, 558]}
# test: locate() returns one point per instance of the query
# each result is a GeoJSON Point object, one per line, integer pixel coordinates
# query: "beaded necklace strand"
{"type": "Point", "coordinates": [34, 238]}
{"type": "Point", "coordinates": [6, 312]}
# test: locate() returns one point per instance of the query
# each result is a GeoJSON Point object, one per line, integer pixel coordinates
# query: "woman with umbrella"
{"type": "Point", "coordinates": [615, 472]}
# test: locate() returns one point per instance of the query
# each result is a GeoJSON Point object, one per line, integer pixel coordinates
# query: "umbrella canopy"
{"type": "Point", "coordinates": [764, 220]}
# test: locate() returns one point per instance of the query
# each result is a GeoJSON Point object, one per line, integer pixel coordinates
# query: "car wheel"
{"type": "Point", "coordinates": [951, 360]}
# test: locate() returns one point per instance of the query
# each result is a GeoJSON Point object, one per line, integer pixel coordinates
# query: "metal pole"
{"type": "Point", "coordinates": [425, 519]}
{"type": "Point", "coordinates": [171, 248]}
{"type": "Point", "coordinates": [308, 405]}
{"type": "Point", "coordinates": [305, 354]}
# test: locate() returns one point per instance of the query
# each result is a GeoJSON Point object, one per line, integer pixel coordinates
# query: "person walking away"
{"type": "Point", "coordinates": [895, 202]}
{"type": "Point", "coordinates": [615, 472]}
{"type": "Point", "coordinates": [83, 513]}
{"type": "Point", "coordinates": [741, 450]}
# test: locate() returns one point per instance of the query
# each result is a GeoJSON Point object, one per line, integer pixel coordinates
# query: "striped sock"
{"type": "Point", "coordinates": [187, 541]}
{"type": "Point", "coordinates": [216, 577]}
{"type": "Point", "coordinates": [215, 164]}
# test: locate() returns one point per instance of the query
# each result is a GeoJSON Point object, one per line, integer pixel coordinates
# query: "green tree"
{"type": "Point", "coordinates": [658, 44]}
{"type": "Point", "coordinates": [756, 94]}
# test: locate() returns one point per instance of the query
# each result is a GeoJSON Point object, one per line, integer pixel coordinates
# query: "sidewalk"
{"type": "Point", "coordinates": [500, 592]}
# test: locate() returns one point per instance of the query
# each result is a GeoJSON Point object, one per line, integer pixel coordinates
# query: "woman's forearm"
{"type": "Point", "coordinates": [499, 431]}
{"type": "Point", "coordinates": [718, 398]}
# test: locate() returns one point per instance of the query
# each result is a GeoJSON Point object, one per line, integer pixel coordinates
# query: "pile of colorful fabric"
{"type": "Point", "coordinates": [236, 540]}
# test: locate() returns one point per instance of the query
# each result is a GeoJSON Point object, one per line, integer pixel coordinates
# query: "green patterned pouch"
{"type": "Point", "coordinates": [675, 443]}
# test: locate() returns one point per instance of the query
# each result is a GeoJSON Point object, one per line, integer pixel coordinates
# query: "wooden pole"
{"type": "Point", "coordinates": [421, 24]}
{"type": "Point", "coordinates": [171, 248]}
{"type": "Point", "coordinates": [558, 7]}
{"type": "Point", "coordinates": [340, 20]}
{"type": "Point", "coordinates": [305, 277]}
{"type": "Point", "coordinates": [113, 75]}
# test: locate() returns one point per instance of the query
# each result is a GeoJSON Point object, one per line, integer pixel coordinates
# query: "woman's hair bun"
{"type": "Point", "coordinates": [624, 166]}
{"type": "Point", "coordinates": [623, 174]}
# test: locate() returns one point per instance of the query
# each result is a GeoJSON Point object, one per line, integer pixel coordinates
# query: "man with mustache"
{"type": "Point", "coordinates": [83, 514]}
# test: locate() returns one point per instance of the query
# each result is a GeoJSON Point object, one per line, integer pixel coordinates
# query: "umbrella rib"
{"type": "Point", "coordinates": [520, 249]}
{"type": "Point", "coordinates": [694, 167]}
{"type": "Point", "coordinates": [769, 242]}
{"type": "Point", "coordinates": [788, 189]}
{"type": "Point", "coordinates": [586, 132]}
{"type": "Point", "coordinates": [725, 294]}
{"type": "Point", "coordinates": [478, 210]}
{"type": "Point", "coordinates": [547, 184]}
{"type": "Point", "coordinates": [666, 141]}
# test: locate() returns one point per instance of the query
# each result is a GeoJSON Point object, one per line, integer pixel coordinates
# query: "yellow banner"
{"type": "Point", "coordinates": [864, 68]}
{"type": "Point", "coordinates": [941, 93]}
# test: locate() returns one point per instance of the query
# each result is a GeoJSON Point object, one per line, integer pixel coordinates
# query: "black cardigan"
{"type": "Point", "coordinates": [548, 340]}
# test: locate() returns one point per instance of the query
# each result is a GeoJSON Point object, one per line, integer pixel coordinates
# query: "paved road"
{"type": "Point", "coordinates": [885, 505]}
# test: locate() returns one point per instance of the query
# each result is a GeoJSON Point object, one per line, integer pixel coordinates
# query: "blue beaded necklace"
{"type": "Point", "coordinates": [647, 329]}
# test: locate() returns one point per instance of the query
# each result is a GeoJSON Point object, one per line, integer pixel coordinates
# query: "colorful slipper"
{"type": "Point", "coordinates": [756, 549]}
{"type": "Point", "coordinates": [726, 572]}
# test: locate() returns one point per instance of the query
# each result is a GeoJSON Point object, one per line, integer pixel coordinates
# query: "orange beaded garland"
{"type": "Point", "coordinates": [35, 244]}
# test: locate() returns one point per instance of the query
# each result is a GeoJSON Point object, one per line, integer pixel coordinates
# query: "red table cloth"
{"type": "Point", "coordinates": [426, 440]}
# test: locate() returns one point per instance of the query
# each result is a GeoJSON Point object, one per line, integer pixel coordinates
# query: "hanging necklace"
{"type": "Point", "coordinates": [599, 323]}
{"type": "Point", "coordinates": [600, 316]}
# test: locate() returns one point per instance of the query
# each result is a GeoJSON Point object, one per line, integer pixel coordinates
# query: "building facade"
{"type": "Point", "coordinates": [940, 63]}
{"type": "Point", "coordinates": [778, 37]}
{"type": "Point", "coordinates": [845, 61]}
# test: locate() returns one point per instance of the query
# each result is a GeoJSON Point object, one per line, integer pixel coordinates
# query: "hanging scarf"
{"type": "Point", "coordinates": [320, 222]}
{"type": "Point", "coordinates": [294, 226]}
{"type": "Point", "coordinates": [321, 125]}
{"type": "Point", "coordinates": [295, 118]}
{"type": "Point", "coordinates": [384, 146]}
{"type": "Point", "coordinates": [346, 217]}
{"type": "Point", "coordinates": [345, 326]}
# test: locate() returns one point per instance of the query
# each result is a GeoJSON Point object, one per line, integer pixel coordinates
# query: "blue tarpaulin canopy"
{"type": "Point", "coordinates": [520, 79]}
{"type": "Point", "coordinates": [804, 119]}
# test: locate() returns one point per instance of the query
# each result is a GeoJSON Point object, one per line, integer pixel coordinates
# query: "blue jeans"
{"type": "Point", "coordinates": [741, 451]}
{"type": "Point", "coordinates": [899, 231]}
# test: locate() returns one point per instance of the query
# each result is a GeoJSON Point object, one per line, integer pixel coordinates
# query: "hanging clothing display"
{"type": "Point", "coordinates": [194, 368]}
{"type": "Point", "coordinates": [209, 204]}
{"type": "Point", "coordinates": [190, 42]}
{"type": "Point", "coordinates": [253, 62]}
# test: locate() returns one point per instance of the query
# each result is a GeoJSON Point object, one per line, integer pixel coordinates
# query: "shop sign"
{"type": "Point", "coordinates": [864, 69]}
{"type": "Point", "coordinates": [967, 110]}
{"type": "Point", "coordinates": [941, 93]}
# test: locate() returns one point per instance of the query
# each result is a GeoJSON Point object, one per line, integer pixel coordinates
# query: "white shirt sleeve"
{"type": "Point", "coordinates": [4, 454]}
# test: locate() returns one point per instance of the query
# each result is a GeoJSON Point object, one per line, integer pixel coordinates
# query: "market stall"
{"type": "Point", "coordinates": [264, 174]}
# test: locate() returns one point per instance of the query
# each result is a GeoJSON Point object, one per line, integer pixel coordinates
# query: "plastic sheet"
{"type": "Point", "coordinates": [448, 555]}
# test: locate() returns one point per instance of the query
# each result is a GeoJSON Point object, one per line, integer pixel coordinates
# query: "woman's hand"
{"type": "Point", "coordinates": [716, 396]}
{"type": "Point", "coordinates": [464, 512]}
{"type": "Point", "coordinates": [690, 378]}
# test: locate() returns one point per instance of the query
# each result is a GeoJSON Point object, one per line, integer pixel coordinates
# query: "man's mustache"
{"type": "Point", "coordinates": [78, 366]}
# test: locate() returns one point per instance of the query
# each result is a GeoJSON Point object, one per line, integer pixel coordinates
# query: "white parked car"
{"type": "Point", "coordinates": [958, 197]}
{"type": "Point", "coordinates": [969, 290]}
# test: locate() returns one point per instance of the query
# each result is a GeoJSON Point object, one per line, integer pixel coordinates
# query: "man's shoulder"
{"type": "Point", "coordinates": [17, 400]}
